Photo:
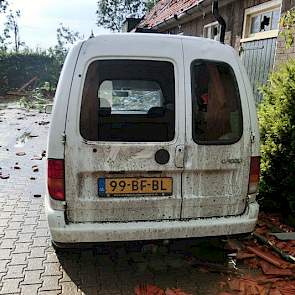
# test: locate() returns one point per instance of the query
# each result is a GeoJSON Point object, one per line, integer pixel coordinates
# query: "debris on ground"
{"type": "Point", "coordinates": [3, 175]}
{"type": "Point", "coordinates": [35, 168]}
{"type": "Point", "coordinates": [42, 123]}
{"type": "Point", "coordinates": [20, 154]}
{"type": "Point", "coordinates": [270, 260]}
{"type": "Point", "coordinates": [43, 154]}
{"type": "Point", "coordinates": [37, 158]}
{"type": "Point", "coordinates": [155, 290]}
{"type": "Point", "coordinates": [16, 166]}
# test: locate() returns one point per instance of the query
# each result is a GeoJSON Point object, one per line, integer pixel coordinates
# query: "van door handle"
{"type": "Point", "coordinates": [179, 156]}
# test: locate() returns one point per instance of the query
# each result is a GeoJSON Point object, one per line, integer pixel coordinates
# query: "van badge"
{"type": "Point", "coordinates": [232, 161]}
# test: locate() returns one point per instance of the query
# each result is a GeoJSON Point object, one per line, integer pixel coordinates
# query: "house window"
{"type": "Point", "coordinates": [262, 21]}
{"type": "Point", "coordinates": [212, 31]}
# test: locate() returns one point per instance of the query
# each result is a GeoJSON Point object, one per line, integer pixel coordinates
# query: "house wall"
{"type": "Point", "coordinates": [233, 13]}
{"type": "Point", "coordinates": [283, 54]}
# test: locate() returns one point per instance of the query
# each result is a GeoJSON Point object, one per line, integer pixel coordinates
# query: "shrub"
{"type": "Point", "coordinates": [18, 68]}
{"type": "Point", "coordinates": [277, 129]}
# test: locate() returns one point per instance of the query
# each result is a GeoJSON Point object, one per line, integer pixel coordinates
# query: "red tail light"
{"type": "Point", "coordinates": [254, 175]}
{"type": "Point", "coordinates": [56, 180]}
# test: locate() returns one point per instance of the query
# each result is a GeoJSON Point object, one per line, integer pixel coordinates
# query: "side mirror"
{"type": "Point", "coordinates": [48, 109]}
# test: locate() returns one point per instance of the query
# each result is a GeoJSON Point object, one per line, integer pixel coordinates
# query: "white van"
{"type": "Point", "coordinates": [152, 137]}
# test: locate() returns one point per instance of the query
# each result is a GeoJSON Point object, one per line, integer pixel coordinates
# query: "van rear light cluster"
{"type": "Point", "coordinates": [56, 179]}
{"type": "Point", "coordinates": [254, 175]}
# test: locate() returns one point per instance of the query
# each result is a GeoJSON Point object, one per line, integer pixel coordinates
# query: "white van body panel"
{"type": "Point", "coordinates": [121, 158]}
{"type": "Point", "coordinates": [90, 232]}
{"type": "Point", "coordinates": [55, 149]}
{"type": "Point", "coordinates": [215, 177]}
{"type": "Point", "coordinates": [209, 190]}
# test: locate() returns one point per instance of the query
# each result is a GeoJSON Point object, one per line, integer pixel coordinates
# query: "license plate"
{"type": "Point", "coordinates": [154, 186]}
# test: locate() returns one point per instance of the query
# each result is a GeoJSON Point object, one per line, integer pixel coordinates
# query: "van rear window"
{"type": "Point", "coordinates": [217, 115]}
{"type": "Point", "coordinates": [128, 100]}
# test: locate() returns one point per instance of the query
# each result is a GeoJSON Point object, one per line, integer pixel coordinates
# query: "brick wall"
{"type": "Point", "coordinates": [283, 54]}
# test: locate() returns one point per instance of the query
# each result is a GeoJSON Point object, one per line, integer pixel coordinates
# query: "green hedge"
{"type": "Point", "coordinates": [18, 68]}
{"type": "Point", "coordinates": [277, 129]}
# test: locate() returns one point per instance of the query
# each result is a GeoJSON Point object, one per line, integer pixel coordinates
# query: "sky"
{"type": "Point", "coordinates": [40, 19]}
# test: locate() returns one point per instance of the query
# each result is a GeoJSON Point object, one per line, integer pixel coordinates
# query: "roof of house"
{"type": "Point", "coordinates": [166, 9]}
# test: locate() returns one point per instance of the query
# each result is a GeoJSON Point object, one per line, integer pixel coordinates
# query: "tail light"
{"type": "Point", "coordinates": [254, 175]}
{"type": "Point", "coordinates": [56, 179]}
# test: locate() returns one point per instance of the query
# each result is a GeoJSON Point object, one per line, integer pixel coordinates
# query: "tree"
{"type": "Point", "coordinates": [65, 37]}
{"type": "Point", "coordinates": [11, 25]}
{"type": "Point", "coordinates": [112, 13]}
{"type": "Point", "coordinates": [150, 4]}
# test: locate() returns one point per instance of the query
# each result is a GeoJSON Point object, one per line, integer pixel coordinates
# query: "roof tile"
{"type": "Point", "coordinates": [165, 9]}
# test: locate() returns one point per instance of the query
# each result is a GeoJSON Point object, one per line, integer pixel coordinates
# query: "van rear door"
{"type": "Point", "coordinates": [218, 147]}
{"type": "Point", "coordinates": [124, 131]}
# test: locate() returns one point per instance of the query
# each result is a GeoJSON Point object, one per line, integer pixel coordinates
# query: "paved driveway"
{"type": "Point", "coordinates": [28, 263]}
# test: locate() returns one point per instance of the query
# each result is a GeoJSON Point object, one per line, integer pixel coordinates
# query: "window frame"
{"type": "Point", "coordinates": [255, 11]}
{"type": "Point", "coordinates": [123, 58]}
{"type": "Point", "coordinates": [209, 27]}
{"type": "Point", "coordinates": [216, 142]}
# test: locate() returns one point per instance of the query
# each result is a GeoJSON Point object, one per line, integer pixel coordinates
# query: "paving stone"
{"type": "Point", "coordinates": [32, 277]}
{"type": "Point", "coordinates": [19, 259]}
{"type": "Point", "coordinates": [28, 228]}
{"type": "Point", "coordinates": [14, 225]}
{"type": "Point", "coordinates": [52, 257]}
{"type": "Point", "coordinates": [38, 252]}
{"type": "Point", "coordinates": [22, 248]}
{"type": "Point", "coordinates": [40, 242]}
{"type": "Point", "coordinates": [52, 269]}
{"type": "Point", "coordinates": [17, 218]}
{"type": "Point", "coordinates": [5, 254]}
{"type": "Point", "coordinates": [4, 221]}
{"type": "Point", "coordinates": [3, 265]}
{"type": "Point", "coordinates": [14, 271]}
{"type": "Point", "coordinates": [35, 264]}
{"type": "Point", "coordinates": [50, 283]}
{"type": "Point", "coordinates": [30, 221]}
{"type": "Point", "coordinates": [25, 238]}
{"type": "Point", "coordinates": [11, 234]}
{"type": "Point", "coordinates": [10, 286]}
{"type": "Point", "coordinates": [41, 232]}
{"type": "Point", "coordinates": [30, 289]}
{"type": "Point", "coordinates": [7, 243]}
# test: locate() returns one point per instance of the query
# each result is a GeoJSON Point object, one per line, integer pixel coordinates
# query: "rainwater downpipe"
{"type": "Point", "coordinates": [220, 19]}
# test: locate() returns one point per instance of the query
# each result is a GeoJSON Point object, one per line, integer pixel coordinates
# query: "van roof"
{"type": "Point", "coordinates": [157, 37]}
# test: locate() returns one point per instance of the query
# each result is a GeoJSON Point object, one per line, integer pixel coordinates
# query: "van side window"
{"type": "Point", "coordinates": [128, 100]}
{"type": "Point", "coordinates": [216, 116]}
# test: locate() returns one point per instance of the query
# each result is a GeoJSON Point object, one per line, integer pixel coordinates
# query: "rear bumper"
{"type": "Point", "coordinates": [150, 230]}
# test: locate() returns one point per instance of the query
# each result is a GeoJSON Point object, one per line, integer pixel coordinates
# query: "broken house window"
{"type": "Point", "coordinates": [128, 100]}
{"type": "Point", "coordinates": [264, 22]}
{"type": "Point", "coordinates": [217, 115]}
{"type": "Point", "coordinates": [212, 31]}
